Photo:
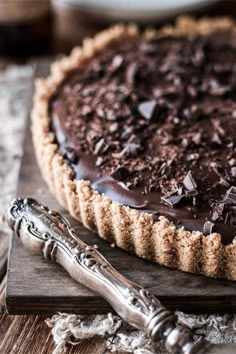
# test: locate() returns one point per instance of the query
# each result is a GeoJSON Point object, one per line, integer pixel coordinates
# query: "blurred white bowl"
{"type": "Point", "coordinates": [135, 10]}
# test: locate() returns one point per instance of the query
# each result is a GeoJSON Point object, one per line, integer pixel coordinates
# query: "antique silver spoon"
{"type": "Point", "coordinates": [47, 232]}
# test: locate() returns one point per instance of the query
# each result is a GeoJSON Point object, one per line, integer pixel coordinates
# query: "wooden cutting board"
{"type": "Point", "coordinates": [36, 286]}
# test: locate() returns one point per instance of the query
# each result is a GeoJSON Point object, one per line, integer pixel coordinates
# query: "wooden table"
{"type": "Point", "coordinates": [30, 334]}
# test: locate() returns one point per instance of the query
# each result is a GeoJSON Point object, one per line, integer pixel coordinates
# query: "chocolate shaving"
{"type": "Point", "coordinates": [99, 161]}
{"type": "Point", "coordinates": [113, 127]}
{"type": "Point", "coordinates": [192, 91]}
{"type": "Point", "coordinates": [110, 115]}
{"type": "Point", "coordinates": [218, 211]}
{"type": "Point", "coordinates": [223, 182]}
{"type": "Point", "coordinates": [167, 91]}
{"type": "Point", "coordinates": [116, 63]}
{"type": "Point", "coordinates": [147, 109]}
{"type": "Point", "coordinates": [217, 126]}
{"type": "Point", "coordinates": [131, 72]}
{"type": "Point", "coordinates": [217, 90]}
{"type": "Point", "coordinates": [208, 227]}
{"type": "Point", "coordinates": [233, 171]}
{"type": "Point", "coordinates": [190, 184]}
{"type": "Point", "coordinates": [215, 216]}
{"type": "Point", "coordinates": [132, 149]}
{"type": "Point", "coordinates": [127, 133]}
{"type": "Point", "coordinates": [197, 138]}
{"type": "Point", "coordinates": [100, 112]}
{"type": "Point", "coordinates": [217, 168]}
{"type": "Point", "coordinates": [232, 162]}
{"type": "Point", "coordinates": [172, 200]}
{"type": "Point", "coordinates": [98, 146]}
{"type": "Point", "coordinates": [192, 157]}
{"type": "Point", "coordinates": [230, 196]}
{"type": "Point", "coordinates": [120, 173]}
{"type": "Point", "coordinates": [215, 140]}
{"type": "Point", "coordinates": [220, 208]}
{"type": "Point", "coordinates": [189, 189]}
{"type": "Point", "coordinates": [185, 143]}
{"type": "Point", "coordinates": [86, 110]}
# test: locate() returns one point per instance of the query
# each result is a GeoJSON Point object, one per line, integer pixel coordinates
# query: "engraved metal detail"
{"type": "Point", "coordinates": [47, 232]}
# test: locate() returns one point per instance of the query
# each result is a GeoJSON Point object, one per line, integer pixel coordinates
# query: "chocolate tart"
{"type": "Point", "coordinates": [135, 134]}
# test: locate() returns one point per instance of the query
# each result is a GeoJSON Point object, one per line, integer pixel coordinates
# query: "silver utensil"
{"type": "Point", "coordinates": [45, 231]}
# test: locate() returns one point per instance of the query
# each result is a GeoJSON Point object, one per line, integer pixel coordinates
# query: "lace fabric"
{"type": "Point", "coordinates": [120, 337]}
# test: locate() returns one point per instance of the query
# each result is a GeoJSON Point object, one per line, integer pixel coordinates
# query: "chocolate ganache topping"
{"type": "Point", "coordinates": [152, 125]}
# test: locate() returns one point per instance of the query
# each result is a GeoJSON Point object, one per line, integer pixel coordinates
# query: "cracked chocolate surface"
{"type": "Point", "coordinates": [152, 124]}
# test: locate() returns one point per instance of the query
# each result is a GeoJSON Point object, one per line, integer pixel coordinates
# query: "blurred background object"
{"type": "Point", "coordinates": [35, 27]}
{"type": "Point", "coordinates": [148, 11]}
{"type": "Point", "coordinates": [25, 27]}
{"type": "Point", "coordinates": [75, 19]}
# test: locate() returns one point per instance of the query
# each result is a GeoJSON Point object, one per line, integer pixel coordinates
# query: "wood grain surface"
{"type": "Point", "coordinates": [35, 286]}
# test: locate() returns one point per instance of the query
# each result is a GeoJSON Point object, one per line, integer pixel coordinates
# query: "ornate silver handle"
{"type": "Point", "coordinates": [47, 232]}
